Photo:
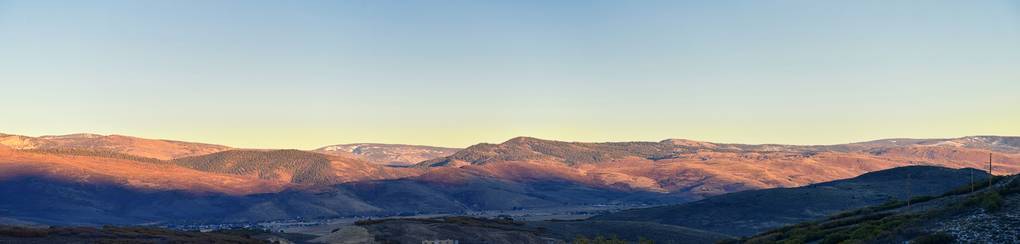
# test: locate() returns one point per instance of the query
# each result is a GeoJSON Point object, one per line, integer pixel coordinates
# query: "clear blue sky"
{"type": "Point", "coordinates": [301, 74]}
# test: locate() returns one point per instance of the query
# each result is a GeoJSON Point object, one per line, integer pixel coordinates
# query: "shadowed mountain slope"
{"type": "Point", "coordinates": [47, 200]}
{"type": "Point", "coordinates": [749, 212]}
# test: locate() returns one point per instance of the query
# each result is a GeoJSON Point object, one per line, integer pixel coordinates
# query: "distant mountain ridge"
{"type": "Point", "coordinates": [529, 148]}
{"type": "Point", "coordinates": [388, 154]}
{"type": "Point", "coordinates": [293, 166]}
{"type": "Point", "coordinates": [376, 153]}
{"type": "Point", "coordinates": [673, 165]}
{"type": "Point", "coordinates": [704, 168]}
{"type": "Point", "coordinates": [152, 148]}
{"type": "Point", "coordinates": [125, 172]}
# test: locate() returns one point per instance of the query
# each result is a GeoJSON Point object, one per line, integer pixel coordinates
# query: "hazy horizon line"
{"type": "Point", "coordinates": [486, 142]}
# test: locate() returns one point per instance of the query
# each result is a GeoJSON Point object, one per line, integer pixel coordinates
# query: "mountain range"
{"type": "Point", "coordinates": [704, 169]}
{"type": "Point", "coordinates": [120, 179]}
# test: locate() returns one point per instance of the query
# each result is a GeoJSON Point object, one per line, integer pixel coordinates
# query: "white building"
{"type": "Point", "coordinates": [440, 242]}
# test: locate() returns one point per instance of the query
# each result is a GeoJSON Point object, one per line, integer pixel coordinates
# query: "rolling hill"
{"type": "Point", "coordinates": [749, 212]}
{"type": "Point", "coordinates": [121, 171]}
{"type": "Point", "coordinates": [149, 148]}
{"type": "Point", "coordinates": [293, 166]}
{"type": "Point", "coordinates": [705, 169]}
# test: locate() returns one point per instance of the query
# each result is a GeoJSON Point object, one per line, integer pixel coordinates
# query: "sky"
{"type": "Point", "coordinates": [304, 74]}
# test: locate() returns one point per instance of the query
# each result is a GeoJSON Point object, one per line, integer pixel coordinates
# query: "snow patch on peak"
{"type": "Point", "coordinates": [344, 148]}
{"type": "Point", "coordinates": [73, 136]}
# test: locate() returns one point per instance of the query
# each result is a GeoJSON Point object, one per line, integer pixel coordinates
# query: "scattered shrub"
{"type": "Point", "coordinates": [835, 238]}
{"type": "Point", "coordinates": [23, 232]}
{"type": "Point", "coordinates": [95, 153]}
{"type": "Point", "coordinates": [921, 199]}
{"type": "Point", "coordinates": [305, 167]}
{"type": "Point", "coordinates": [990, 201]}
{"type": "Point", "coordinates": [599, 239]}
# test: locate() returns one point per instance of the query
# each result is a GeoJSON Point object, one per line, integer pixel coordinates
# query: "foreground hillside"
{"type": "Point", "coordinates": [750, 212]}
{"type": "Point", "coordinates": [977, 214]}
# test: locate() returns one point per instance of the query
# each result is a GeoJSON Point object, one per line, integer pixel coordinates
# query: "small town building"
{"type": "Point", "coordinates": [440, 242]}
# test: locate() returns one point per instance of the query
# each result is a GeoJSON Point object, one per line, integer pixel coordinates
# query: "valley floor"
{"type": "Point", "coordinates": [323, 227]}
